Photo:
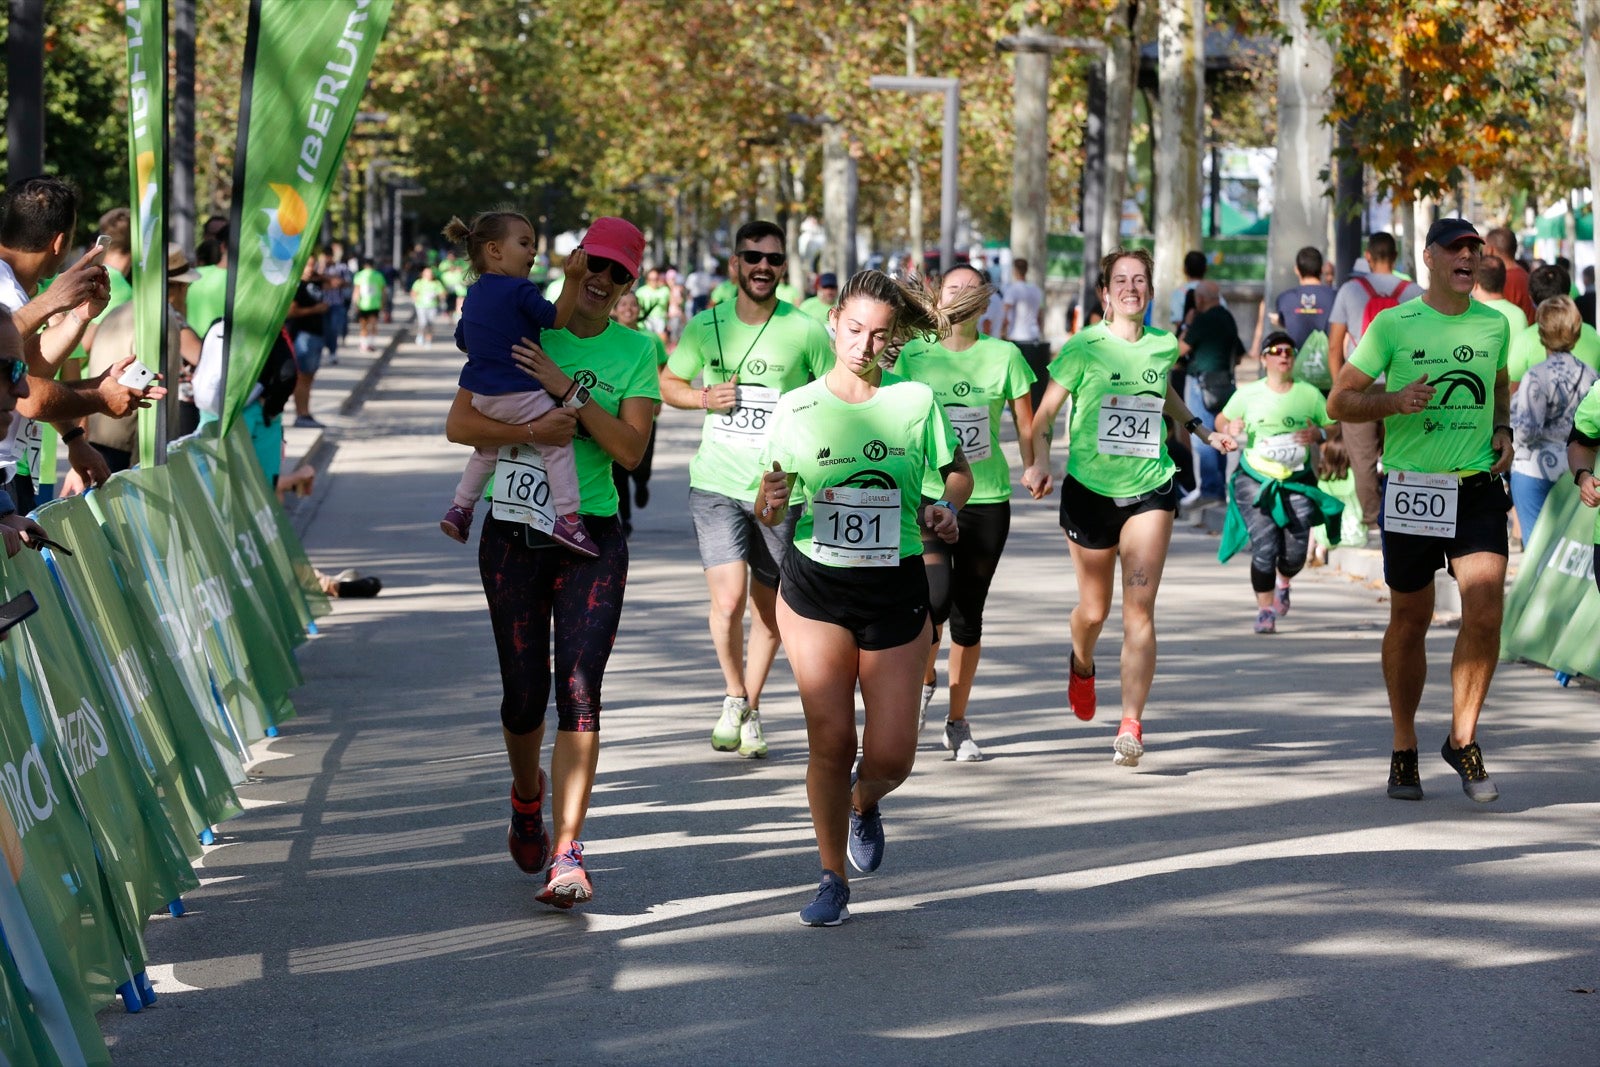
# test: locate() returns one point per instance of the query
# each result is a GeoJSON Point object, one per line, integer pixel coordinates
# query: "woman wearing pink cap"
{"type": "Point", "coordinates": [604, 376]}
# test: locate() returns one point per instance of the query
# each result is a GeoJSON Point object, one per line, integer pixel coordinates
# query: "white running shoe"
{"type": "Point", "coordinates": [958, 739]}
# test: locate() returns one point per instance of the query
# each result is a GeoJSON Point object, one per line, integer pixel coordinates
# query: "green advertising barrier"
{"type": "Point", "coordinates": [35, 1022]}
{"type": "Point", "coordinates": [270, 659]}
{"type": "Point", "coordinates": [1553, 610]}
{"type": "Point", "coordinates": [192, 607]}
{"type": "Point", "coordinates": [75, 720]}
{"type": "Point", "coordinates": [292, 566]}
{"type": "Point", "coordinates": [50, 854]}
{"type": "Point", "coordinates": [195, 781]}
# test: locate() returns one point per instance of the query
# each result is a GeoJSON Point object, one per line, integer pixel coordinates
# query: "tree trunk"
{"type": "Point", "coordinates": [795, 172]}
{"type": "Point", "coordinates": [1122, 78]}
{"type": "Point", "coordinates": [1030, 201]}
{"type": "Point", "coordinates": [1305, 146]}
{"type": "Point", "coordinates": [1182, 72]}
{"type": "Point", "coordinates": [838, 254]}
{"type": "Point", "coordinates": [1589, 25]}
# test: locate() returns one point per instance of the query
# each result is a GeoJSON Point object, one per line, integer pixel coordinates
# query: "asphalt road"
{"type": "Point", "coordinates": [1247, 894]}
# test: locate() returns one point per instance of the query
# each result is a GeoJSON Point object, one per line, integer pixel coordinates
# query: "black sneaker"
{"type": "Point", "coordinates": [1404, 781]}
{"type": "Point", "coordinates": [1468, 762]}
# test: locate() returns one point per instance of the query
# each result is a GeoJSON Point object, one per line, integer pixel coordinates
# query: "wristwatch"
{"type": "Point", "coordinates": [72, 435]}
{"type": "Point", "coordinates": [1194, 425]}
{"type": "Point", "coordinates": [575, 399]}
{"type": "Point", "coordinates": [1577, 475]}
{"type": "Point", "coordinates": [945, 504]}
{"type": "Point", "coordinates": [1504, 427]}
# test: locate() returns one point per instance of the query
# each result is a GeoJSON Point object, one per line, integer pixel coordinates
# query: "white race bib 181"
{"type": "Point", "coordinates": [1282, 448]}
{"type": "Point", "coordinates": [522, 489]}
{"type": "Point", "coordinates": [972, 428]}
{"type": "Point", "coordinates": [1130, 426]}
{"type": "Point", "coordinates": [1423, 504]}
{"type": "Point", "coordinates": [746, 425]}
{"type": "Point", "coordinates": [856, 527]}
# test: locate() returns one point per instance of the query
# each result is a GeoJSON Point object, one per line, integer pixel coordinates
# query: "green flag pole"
{"type": "Point", "coordinates": [146, 22]}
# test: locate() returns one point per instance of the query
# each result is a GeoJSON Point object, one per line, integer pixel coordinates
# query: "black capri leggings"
{"type": "Point", "coordinates": [959, 574]}
{"type": "Point", "coordinates": [1274, 549]}
{"type": "Point", "coordinates": [526, 588]}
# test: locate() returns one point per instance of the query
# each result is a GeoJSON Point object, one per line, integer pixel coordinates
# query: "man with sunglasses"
{"type": "Point", "coordinates": [747, 352]}
{"type": "Point", "coordinates": [37, 224]}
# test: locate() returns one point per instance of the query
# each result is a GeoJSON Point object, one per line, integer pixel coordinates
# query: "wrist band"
{"type": "Point", "coordinates": [705, 399]}
{"type": "Point", "coordinates": [1194, 425]}
{"type": "Point", "coordinates": [1507, 429]}
{"type": "Point", "coordinates": [1578, 474]}
{"type": "Point", "coordinates": [72, 435]}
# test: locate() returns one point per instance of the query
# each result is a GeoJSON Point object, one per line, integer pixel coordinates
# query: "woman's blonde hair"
{"type": "Point", "coordinates": [1108, 261]}
{"type": "Point", "coordinates": [1560, 324]}
{"type": "Point", "coordinates": [916, 311]}
{"type": "Point", "coordinates": [485, 227]}
{"type": "Point", "coordinates": [967, 306]}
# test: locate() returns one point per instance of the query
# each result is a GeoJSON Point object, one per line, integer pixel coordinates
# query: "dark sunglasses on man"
{"type": "Point", "coordinates": [601, 265]}
{"type": "Point", "coordinates": [13, 370]}
{"type": "Point", "coordinates": [751, 257]}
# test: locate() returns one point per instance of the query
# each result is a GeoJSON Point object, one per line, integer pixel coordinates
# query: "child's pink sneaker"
{"type": "Point", "coordinates": [457, 523]}
{"type": "Point", "coordinates": [571, 534]}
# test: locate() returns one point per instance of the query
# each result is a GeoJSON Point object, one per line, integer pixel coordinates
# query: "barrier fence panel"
{"type": "Point", "coordinates": [1553, 610]}
{"type": "Point", "coordinates": [293, 569]}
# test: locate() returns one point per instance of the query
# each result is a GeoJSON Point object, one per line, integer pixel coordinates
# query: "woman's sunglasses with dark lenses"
{"type": "Point", "coordinates": [752, 257]}
{"type": "Point", "coordinates": [619, 274]}
{"type": "Point", "coordinates": [1279, 350]}
{"type": "Point", "coordinates": [13, 370]}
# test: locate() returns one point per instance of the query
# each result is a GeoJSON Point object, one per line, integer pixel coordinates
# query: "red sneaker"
{"type": "Point", "coordinates": [1080, 691]}
{"type": "Point", "coordinates": [569, 882]}
{"type": "Point", "coordinates": [527, 840]}
{"type": "Point", "coordinates": [1129, 745]}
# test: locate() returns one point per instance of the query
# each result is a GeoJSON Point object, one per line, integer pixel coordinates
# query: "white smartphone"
{"type": "Point", "coordinates": [101, 243]}
{"type": "Point", "coordinates": [137, 376]}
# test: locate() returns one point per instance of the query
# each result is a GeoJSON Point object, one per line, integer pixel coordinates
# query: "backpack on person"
{"type": "Point", "coordinates": [277, 378]}
{"type": "Point", "coordinates": [1311, 362]}
{"type": "Point", "coordinates": [1377, 301]}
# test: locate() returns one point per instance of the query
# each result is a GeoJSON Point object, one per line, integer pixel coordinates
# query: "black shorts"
{"type": "Point", "coordinates": [1410, 560]}
{"type": "Point", "coordinates": [1095, 521]}
{"type": "Point", "coordinates": [882, 607]}
{"type": "Point", "coordinates": [369, 316]}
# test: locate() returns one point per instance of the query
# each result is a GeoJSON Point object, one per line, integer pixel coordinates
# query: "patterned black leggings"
{"type": "Point", "coordinates": [526, 588]}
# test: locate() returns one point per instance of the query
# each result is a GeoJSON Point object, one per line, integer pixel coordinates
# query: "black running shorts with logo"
{"type": "Point", "coordinates": [1094, 521]}
{"type": "Point", "coordinates": [1410, 560]}
{"type": "Point", "coordinates": [882, 607]}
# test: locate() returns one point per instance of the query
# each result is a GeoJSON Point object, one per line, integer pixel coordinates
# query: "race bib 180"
{"type": "Point", "coordinates": [1130, 426]}
{"type": "Point", "coordinates": [1423, 504]}
{"type": "Point", "coordinates": [522, 489]}
{"type": "Point", "coordinates": [972, 428]}
{"type": "Point", "coordinates": [856, 527]}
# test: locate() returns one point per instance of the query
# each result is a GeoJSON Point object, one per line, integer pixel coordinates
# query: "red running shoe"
{"type": "Point", "coordinates": [526, 839]}
{"type": "Point", "coordinates": [1080, 691]}
{"type": "Point", "coordinates": [569, 882]}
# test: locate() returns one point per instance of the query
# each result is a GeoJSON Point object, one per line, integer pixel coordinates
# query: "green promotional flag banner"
{"type": "Point", "coordinates": [305, 69]}
{"type": "Point", "coordinates": [1553, 609]}
{"type": "Point", "coordinates": [146, 22]}
{"type": "Point", "coordinates": [48, 850]}
{"type": "Point", "coordinates": [146, 867]}
{"type": "Point", "coordinates": [272, 524]}
{"type": "Point", "coordinates": [194, 786]}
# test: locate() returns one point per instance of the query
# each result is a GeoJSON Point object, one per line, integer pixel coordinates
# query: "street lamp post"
{"type": "Point", "coordinates": [951, 88]}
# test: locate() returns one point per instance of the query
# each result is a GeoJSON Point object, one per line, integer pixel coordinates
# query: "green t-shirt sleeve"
{"type": "Point", "coordinates": [1019, 376]}
{"type": "Point", "coordinates": [643, 379]}
{"type": "Point", "coordinates": [1586, 420]}
{"type": "Point", "coordinates": [819, 350]}
{"type": "Point", "coordinates": [687, 360]}
{"type": "Point", "coordinates": [1066, 370]}
{"type": "Point", "coordinates": [778, 447]}
{"type": "Point", "coordinates": [938, 437]}
{"type": "Point", "coordinates": [1371, 356]}
{"type": "Point", "coordinates": [1234, 408]}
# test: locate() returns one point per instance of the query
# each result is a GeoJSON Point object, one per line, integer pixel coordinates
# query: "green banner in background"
{"type": "Point", "coordinates": [146, 22]}
{"type": "Point", "coordinates": [1553, 609]}
{"type": "Point", "coordinates": [195, 788]}
{"type": "Point", "coordinates": [272, 524]}
{"type": "Point", "coordinates": [305, 69]}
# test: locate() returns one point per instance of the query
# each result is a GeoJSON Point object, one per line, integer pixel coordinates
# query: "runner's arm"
{"type": "Point", "coordinates": [625, 434]}
{"type": "Point", "coordinates": [680, 394]}
{"type": "Point", "coordinates": [1036, 478]}
{"type": "Point", "coordinates": [1501, 438]}
{"type": "Point", "coordinates": [1581, 453]}
{"type": "Point", "coordinates": [1337, 333]}
{"type": "Point", "coordinates": [1176, 410]}
{"type": "Point", "coordinates": [1022, 416]}
{"type": "Point", "coordinates": [466, 425]}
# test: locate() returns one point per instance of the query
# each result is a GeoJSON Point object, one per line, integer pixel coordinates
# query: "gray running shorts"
{"type": "Point", "coordinates": [728, 532]}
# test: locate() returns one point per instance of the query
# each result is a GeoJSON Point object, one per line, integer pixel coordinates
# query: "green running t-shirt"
{"type": "Point", "coordinates": [973, 386]}
{"type": "Point", "coordinates": [208, 298]}
{"type": "Point", "coordinates": [725, 292]}
{"type": "Point", "coordinates": [1271, 417]}
{"type": "Point", "coordinates": [770, 358]}
{"type": "Point", "coordinates": [1094, 366]}
{"type": "Point", "coordinates": [1527, 350]}
{"type": "Point", "coordinates": [369, 286]}
{"type": "Point", "coordinates": [615, 364]}
{"type": "Point", "coordinates": [817, 308]}
{"type": "Point", "coordinates": [1586, 421]}
{"type": "Point", "coordinates": [885, 443]}
{"type": "Point", "coordinates": [427, 294]}
{"type": "Point", "coordinates": [1461, 355]}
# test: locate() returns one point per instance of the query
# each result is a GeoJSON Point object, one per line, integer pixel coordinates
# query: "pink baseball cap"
{"type": "Point", "coordinates": [616, 239]}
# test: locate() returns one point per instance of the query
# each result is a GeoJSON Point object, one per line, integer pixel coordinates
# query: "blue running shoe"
{"type": "Point", "coordinates": [865, 847]}
{"type": "Point", "coordinates": [829, 907]}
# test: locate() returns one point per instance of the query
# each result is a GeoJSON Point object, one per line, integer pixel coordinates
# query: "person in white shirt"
{"type": "Point", "coordinates": [1024, 307]}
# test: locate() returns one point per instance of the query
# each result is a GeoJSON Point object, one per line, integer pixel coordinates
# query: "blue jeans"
{"type": "Point", "coordinates": [1211, 466]}
{"type": "Point", "coordinates": [333, 321]}
{"type": "Point", "coordinates": [1528, 496]}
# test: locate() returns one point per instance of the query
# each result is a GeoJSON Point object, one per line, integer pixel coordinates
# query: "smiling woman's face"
{"type": "Point", "coordinates": [598, 294]}
{"type": "Point", "coordinates": [1127, 290]}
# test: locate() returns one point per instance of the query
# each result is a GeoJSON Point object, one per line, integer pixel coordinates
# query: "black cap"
{"type": "Point", "coordinates": [1278, 337]}
{"type": "Point", "coordinates": [828, 281]}
{"type": "Point", "coordinates": [1447, 232]}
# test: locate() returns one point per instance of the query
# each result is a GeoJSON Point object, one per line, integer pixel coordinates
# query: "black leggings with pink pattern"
{"type": "Point", "coordinates": [527, 588]}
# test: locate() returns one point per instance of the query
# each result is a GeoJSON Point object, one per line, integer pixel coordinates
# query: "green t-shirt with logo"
{"type": "Point", "coordinates": [369, 285]}
{"type": "Point", "coordinates": [1461, 355]}
{"type": "Point", "coordinates": [208, 298]}
{"type": "Point", "coordinates": [427, 294]}
{"type": "Point", "coordinates": [1527, 349]}
{"type": "Point", "coordinates": [1586, 421]}
{"type": "Point", "coordinates": [883, 444]}
{"type": "Point", "coordinates": [615, 364]}
{"type": "Point", "coordinates": [817, 308]}
{"type": "Point", "coordinates": [973, 387]}
{"type": "Point", "coordinates": [1268, 414]}
{"type": "Point", "coordinates": [782, 353]}
{"type": "Point", "coordinates": [1096, 364]}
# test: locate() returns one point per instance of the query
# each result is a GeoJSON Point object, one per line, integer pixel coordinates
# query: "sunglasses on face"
{"type": "Point", "coordinates": [602, 265]}
{"type": "Point", "coordinates": [751, 257]}
{"type": "Point", "coordinates": [1279, 350]}
{"type": "Point", "coordinates": [13, 370]}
